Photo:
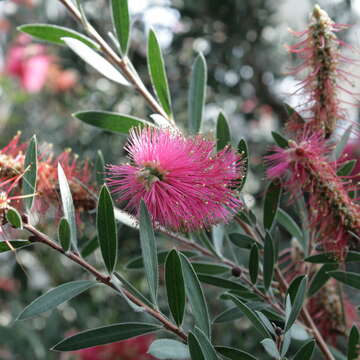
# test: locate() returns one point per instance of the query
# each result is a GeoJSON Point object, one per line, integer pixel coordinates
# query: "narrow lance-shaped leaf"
{"type": "Point", "coordinates": [280, 140]}
{"type": "Point", "coordinates": [222, 132]}
{"type": "Point", "coordinates": [30, 176]}
{"type": "Point", "coordinates": [271, 204]}
{"type": "Point", "coordinates": [347, 168]}
{"type": "Point", "coordinates": [353, 350]}
{"type": "Point", "coordinates": [195, 348]}
{"type": "Point", "coordinates": [269, 260]}
{"type": "Point", "coordinates": [175, 286]}
{"type": "Point", "coordinates": [195, 295]}
{"type": "Point", "coordinates": [55, 297]}
{"type": "Point", "coordinates": [67, 204]}
{"type": "Point", "coordinates": [55, 33]}
{"type": "Point", "coordinates": [158, 73]}
{"type": "Point", "coordinates": [289, 224]}
{"type": "Point", "coordinates": [254, 263]}
{"type": "Point", "coordinates": [64, 234]}
{"type": "Point", "coordinates": [320, 278]}
{"type": "Point", "coordinates": [332, 258]}
{"type": "Point", "coordinates": [15, 244]}
{"type": "Point", "coordinates": [252, 316]}
{"type": "Point", "coordinates": [306, 351]}
{"type": "Point", "coordinates": [165, 349]}
{"type": "Point", "coordinates": [348, 278]}
{"type": "Point", "coordinates": [95, 60]}
{"type": "Point", "coordinates": [340, 146]}
{"type": "Point", "coordinates": [104, 335]}
{"type": "Point", "coordinates": [206, 347]}
{"type": "Point", "coordinates": [149, 251]}
{"type": "Point", "coordinates": [110, 121]}
{"type": "Point", "coordinates": [271, 348]}
{"type": "Point", "coordinates": [197, 91]}
{"type": "Point", "coordinates": [297, 303]}
{"type": "Point", "coordinates": [121, 19]}
{"type": "Point", "coordinates": [244, 152]}
{"type": "Point", "coordinates": [14, 218]}
{"type": "Point", "coordinates": [106, 229]}
{"type": "Point", "coordinates": [234, 354]}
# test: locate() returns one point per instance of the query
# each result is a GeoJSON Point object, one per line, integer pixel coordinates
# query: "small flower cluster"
{"type": "Point", "coordinates": [12, 166]}
{"type": "Point", "coordinates": [304, 167]}
{"type": "Point", "coordinates": [320, 52]}
{"type": "Point", "coordinates": [184, 185]}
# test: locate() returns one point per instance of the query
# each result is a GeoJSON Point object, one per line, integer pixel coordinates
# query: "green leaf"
{"type": "Point", "coordinates": [270, 347]}
{"type": "Point", "coordinates": [67, 204]}
{"type": "Point", "coordinates": [349, 278]}
{"type": "Point", "coordinates": [269, 260]}
{"type": "Point", "coordinates": [244, 152]}
{"type": "Point", "coordinates": [16, 244]}
{"type": "Point", "coordinates": [64, 234]}
{"type": "Point", "coordinates": [164, 349]}
{"type": "Point", "coordinates": [294, 116]}
{"type": "Point", "coordinates": [138, 263]}
{"type": "Point", "coordinates": [197, 93]}
{"type": "Point", "coordinates": [346, 168]}
{"type": "Point", "coordinates": [195, 348]}
{"type": "Point", "coordinates": [55, 33]}
{"type": "Point", "coordinates": [234, 354]}
{"type": "Point", "coordinates": [100, 168]}
{"type": "Point", "coordinates": [271, 204]}
{"type": "Point", "coordinates": [280, 140]}
{"type": "Point", "coordinates": [289, 224]}
{"type": "Point", "coordinates": [241, 240]}
{"type": "Point", "coordinates": [175, 286]}
{"type": "Point", "coordinates": [121, 20]}
{"type": "Point", "coordinates": [297, 303]}
{"type": "Point", "coordinates": [14, 218]}
{"type": "Point", "coordinates": [89, 247]}
{"type": "Point", "coordinates": [158, 72]}
{"type": "Point", "coordinates": [306, 351]}
{"type": "Point", "coordinates": [266, 322]}
{"type": "Point", "coordinates": [149, 252]}
{"type": "Point", "coordinates": [106, 229]}
{"type": "Point", "coordinates": [115, 122]}
{"type": "Point", "coordinates": [320, 278]}
{"type": "Point", "coordinates": [95, 60]}
{"type": "Point", "coordinates": [252, 316]}
{"type": "Point", "coordinates": [30, 175]}
{"type": "Point", "coordinates": [55, 297]}
{"type": "Point", "coordinates": [254, 263]}
{"type": "Point", "coordinates": [293, 287]}
{"type": "Point", "coordinates": [221, 282]}
{"type": "Point", "coordinates": [195, 296]}
{"type": "Point", "coordinates": [340, 146]}
{"type": "Point", "coordinates": [104, 335]}
{"type": "Point", "coordinates": [222, 132]}
{"type": "Point", "coordinates": [353, 351]}
{"type": "Point", "coordinates": [209, 268]}
{"type": "Point", "coordinates": [332, 258]}
{"type": "Point", "coordinates": [205, 241]}
{"type": "Point", "coordinates": [286, 343]}
{"type": "Point", "coordinates": [206, 347]}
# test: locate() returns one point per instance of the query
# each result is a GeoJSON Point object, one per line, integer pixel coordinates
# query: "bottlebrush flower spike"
{"type": "Point", "coordinates": [183, 184]}
{"type": "Point", "coordinates": [12, 158]}
{"type": "Point", "coordinates": [320, 52]}
{"type": "Point", "coordinates": [304, 167]}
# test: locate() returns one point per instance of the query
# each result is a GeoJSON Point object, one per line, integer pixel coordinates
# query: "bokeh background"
{"type": "Point", "coordinates": [243, 43]}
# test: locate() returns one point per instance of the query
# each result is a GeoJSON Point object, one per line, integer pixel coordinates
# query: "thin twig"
{"type": "Point", "coordinates": [106, 280]}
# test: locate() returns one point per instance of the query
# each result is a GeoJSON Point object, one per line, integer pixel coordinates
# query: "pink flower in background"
{"type": "Point", "coordinates": [304, 167]}
{"type": "Point", "coordinates": [29, 63]}
{"type": "Point", "coordinates": [132, 349]}
{"type": "Point", "coordinates": [184, 185]}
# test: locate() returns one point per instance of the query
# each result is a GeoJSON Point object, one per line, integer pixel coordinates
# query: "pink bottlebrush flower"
{"type": "Point", "coordinates": [12, 158]}
{"type": "Point", "coordinates": [184, 185]}
{"type": "Point", "coordinates": [322, 59]}
{"type": "Point", "coordinates": [131, 349]}
{"type": "Point", "coordinates": [60, 80]}
{"type": "Point", "coordinates": [29, 63]}
{"type": "Point", "coordinates": [305, 167]}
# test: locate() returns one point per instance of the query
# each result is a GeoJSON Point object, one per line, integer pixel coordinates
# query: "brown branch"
{"type": "Point", "coordinates": [106, 280]}
{"type": "Point", "coordinates": [116, 60]}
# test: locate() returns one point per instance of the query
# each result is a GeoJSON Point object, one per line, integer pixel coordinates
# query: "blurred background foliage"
{"type": "Point", "coordinates": [243, 42]}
